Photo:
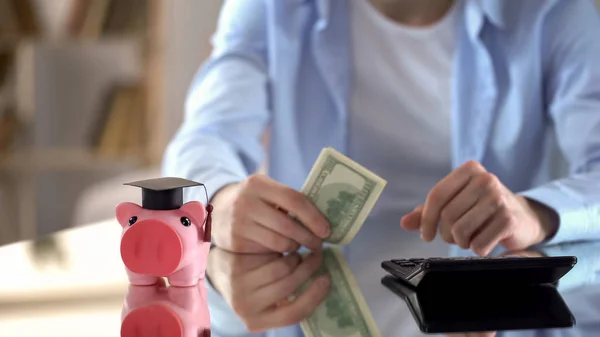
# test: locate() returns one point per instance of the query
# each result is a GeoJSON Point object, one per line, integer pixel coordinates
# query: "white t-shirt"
{"type": "Point", "coordinates": [400, 103]}
{"type": "Point", "coordinates": [399, 127]}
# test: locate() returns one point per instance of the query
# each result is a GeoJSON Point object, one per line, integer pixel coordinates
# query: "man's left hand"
{"type": "Point", "coordinates": [475, 210]}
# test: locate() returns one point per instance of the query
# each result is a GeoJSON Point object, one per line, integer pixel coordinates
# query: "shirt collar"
{"type": "Point", "coordinates": [494, 11]}
{"type": "Point", "coordinates": [499, 13]}
{"type": "Point", "coordinates": [323, 7]}
{"type": "Point", "coordinates": [504, 14]}
{"type": "Point", "coordinates": [479, 12]}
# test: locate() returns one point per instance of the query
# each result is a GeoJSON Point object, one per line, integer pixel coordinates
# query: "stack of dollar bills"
{"type": "Point", "coordinates": [345, 192]}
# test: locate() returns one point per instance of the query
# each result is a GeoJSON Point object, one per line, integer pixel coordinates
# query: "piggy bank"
{"type": "Point", "coordinates": [157, 311]}
{"type": "Point", "coordinates": [163, 243]}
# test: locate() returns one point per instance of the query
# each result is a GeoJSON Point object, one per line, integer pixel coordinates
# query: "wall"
{"type": "Point", "coordinates": [53, 14]}
{"type": "Point", "coordinates": [190, 25]}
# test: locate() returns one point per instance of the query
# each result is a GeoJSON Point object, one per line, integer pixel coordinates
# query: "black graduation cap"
{"type": "Point", "coordinates": [163, 194]}
{"type": "Point", "coordinates": [166, 193]}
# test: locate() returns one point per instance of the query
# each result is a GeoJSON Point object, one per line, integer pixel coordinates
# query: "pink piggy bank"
{"type": "Point", "coordinates": [160, 311]}
{"type": "Point", "coordinates": [163, 238]}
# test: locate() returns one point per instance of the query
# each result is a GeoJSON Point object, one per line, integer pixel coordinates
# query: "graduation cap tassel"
{"type": "Point", "coordinates": [207, 227]}
{"type": "Point", "coordinates": [208, 220]}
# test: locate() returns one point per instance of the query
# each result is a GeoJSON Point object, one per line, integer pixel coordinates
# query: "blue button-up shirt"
{"type": "Point", "coordinates": [526, 102]}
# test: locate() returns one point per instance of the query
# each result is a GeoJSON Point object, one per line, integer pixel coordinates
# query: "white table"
{"type": "Point", "coordinates": [83, 298]}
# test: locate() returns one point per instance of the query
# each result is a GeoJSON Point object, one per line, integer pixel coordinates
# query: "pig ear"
{"type": "Point", "coordinates": [195, 211]}
{"type": "Point", "coordinates": [125, 211]}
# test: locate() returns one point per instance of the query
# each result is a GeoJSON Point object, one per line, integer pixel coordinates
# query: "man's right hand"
{"type": "Point", "coordinates": [252, 217]}
{"type": "Point", "coordinates": [258, 287]}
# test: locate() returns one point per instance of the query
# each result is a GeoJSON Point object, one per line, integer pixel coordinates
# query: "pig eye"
{"type": "Point", "coordinates": [132, 220]}
{"type": "Point", "coordinates": [185, 221]}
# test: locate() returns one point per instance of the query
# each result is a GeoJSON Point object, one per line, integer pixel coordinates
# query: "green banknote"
{"type": "Point", "coordinates": [344, 191]}
{"type": "Point", "coordinates": [344, 312]}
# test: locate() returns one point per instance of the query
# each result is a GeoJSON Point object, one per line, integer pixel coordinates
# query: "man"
{"type": "Point", "coordinates": [458, 104]}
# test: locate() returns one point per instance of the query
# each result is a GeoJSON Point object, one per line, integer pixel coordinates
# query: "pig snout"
{"type": "Point", "coordinates": [151, 247]}
{"type": "Point", "coordinates": [152, 321]}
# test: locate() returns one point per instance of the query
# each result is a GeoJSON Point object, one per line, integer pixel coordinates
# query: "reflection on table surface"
{"type": "Point", "coordinates": [75, 285]}
{"type": "Point", "coordinates": [71, 286]}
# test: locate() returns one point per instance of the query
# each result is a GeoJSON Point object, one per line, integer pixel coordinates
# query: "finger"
{"type": "Point", "coordinates": [481, 334]}
{"type": "Point", "coordinates": [442, 193]}
{"type": "Point", "coordinates": [489, 236]}
{"type": "Point", "coordinates": [467, 225]}
{"type": "Point", "coordinates": [296, 311]}
{"type": "Point", "coordinates": [459, 205]}
{"type": "Point", "coordinates": [242, 245]}
{"type": "Point", "coordinates": [412, 220]}
{"type": "Point", "coordinates": [281, 223]}
{"type": "Point", "coordinates": [292, 201]}
{"type": "Point", "coordinates": [271, 272]}
{"type": "Point", "coordinates": [269, 239]}
{"type": "Point", "coordinates": [284, 302]}
{"type": "Point", "coordinates": [243, 264]}
{"type": "Point", "coordinates": [522, 253]}
{"type": "Point", "coordinates": [227, 266]}
{"type": "Point", "coordinates": [274, 292]}
{"type": "Point", "coordinates": [251, 262]}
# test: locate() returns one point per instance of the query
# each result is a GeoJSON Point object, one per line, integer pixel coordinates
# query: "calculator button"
{"type": "Point", "coordinates": [417, 260]}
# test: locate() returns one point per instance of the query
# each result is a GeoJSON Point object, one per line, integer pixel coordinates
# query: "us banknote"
{"type": "Point", "coordinates": [344, 191]}
{"type": "Point", "coordinates": [344, 312]}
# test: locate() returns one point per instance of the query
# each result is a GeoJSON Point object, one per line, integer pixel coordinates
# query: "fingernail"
{"type": "Point", "coordinates": [326, 231]}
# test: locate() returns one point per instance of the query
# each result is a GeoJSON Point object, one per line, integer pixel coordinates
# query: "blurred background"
{"type": "Point", "coordinates": [90, 93]}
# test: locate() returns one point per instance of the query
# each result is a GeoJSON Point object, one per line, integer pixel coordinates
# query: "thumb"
{"type": "Point", "coordinates": [412, 220]}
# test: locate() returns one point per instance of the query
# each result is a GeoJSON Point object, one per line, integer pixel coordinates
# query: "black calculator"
{"type": "Point", "coordinates": [466, 271]}
{"type": "Point", "coordinates": [439, 310]}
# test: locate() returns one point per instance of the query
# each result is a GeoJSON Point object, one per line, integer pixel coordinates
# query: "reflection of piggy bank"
{"type": "Point", "coordinates": [164, 243]}
{"type": "Point", "coordinates": [157, 311]}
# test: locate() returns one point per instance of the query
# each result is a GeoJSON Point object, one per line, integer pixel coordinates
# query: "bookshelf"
{"type": "Point", "coordinates": [80, 101]}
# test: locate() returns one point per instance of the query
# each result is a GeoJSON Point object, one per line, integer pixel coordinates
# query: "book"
{"type": "Point", "coordinates": [26, 17]}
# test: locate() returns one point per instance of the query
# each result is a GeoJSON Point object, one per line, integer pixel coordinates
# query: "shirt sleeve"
{"type": "Point", "coordinates": [586, 271]}
{"type": "Point", "coordinates": [572, 96]}
{"type": "Point", "coordinates": [223, 320]}
{"type": "Point", "coordinates": [226, 112]}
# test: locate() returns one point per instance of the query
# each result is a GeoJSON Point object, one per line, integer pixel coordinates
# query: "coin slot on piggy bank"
{"type": "Point", "coordinates": [165, 237]}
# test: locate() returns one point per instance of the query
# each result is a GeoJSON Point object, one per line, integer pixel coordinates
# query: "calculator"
{"type": "Point", "coordinates": [439, 310]}
{"type": "Point", "coordinates": [478, 270]}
